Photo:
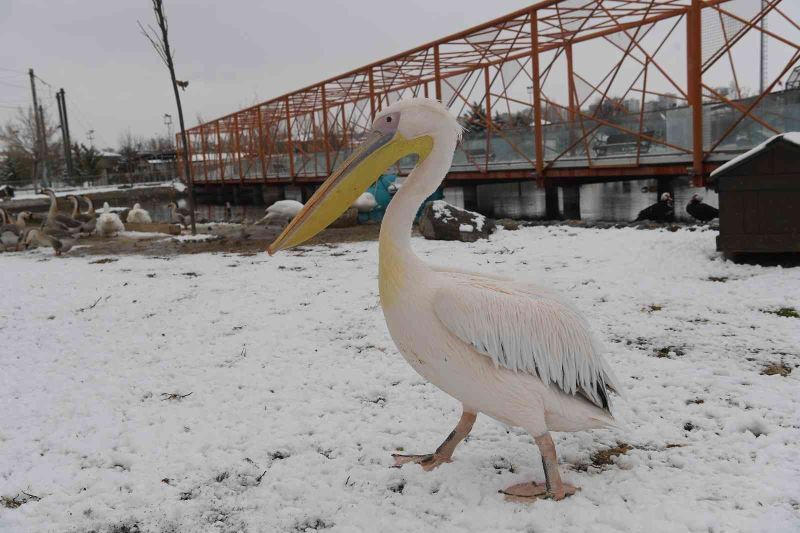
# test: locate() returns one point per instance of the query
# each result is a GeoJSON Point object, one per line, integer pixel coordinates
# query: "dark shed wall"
{"type": "Point", "coordinates": [759, 202]}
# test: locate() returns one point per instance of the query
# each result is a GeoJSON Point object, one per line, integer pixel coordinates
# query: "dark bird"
{"type": "Point", "coordinates": [182, 84]}
{"type": "Point", "coordinates": [179, 215]}
{"type": "Point", "coordinates": [700, 211]}
{"type": "Point", "coordinates": [663, 211]}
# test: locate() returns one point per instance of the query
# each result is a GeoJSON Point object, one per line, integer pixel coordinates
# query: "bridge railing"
{"type": "Point", "coordinates": [629, 86]}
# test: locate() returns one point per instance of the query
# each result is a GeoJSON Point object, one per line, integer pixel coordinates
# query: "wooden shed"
{"type": "Point", "coordinates": [759, 198]}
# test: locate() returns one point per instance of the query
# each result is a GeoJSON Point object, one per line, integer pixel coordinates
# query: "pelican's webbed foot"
{"type": "Point", "coordinates": [532, 491]}
{"type": "Point", "coordinates": [553, 487]}
{"type": "Point", "coordinates": [444, 453]}
{"type": "Point", "coordinates": [428, 461]}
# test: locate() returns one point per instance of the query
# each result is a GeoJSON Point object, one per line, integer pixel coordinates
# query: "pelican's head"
{"type": "Point", "coordinates": [137, 206]}
{"type": "Point", "coordinates": [404, 128]}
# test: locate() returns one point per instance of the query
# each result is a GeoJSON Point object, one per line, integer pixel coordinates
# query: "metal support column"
{"type": "Point", "coordinates": [371, 96]}
{"type": "Point", "coordinates": [537, 97]}
{"type": "Point", "coordinates": [325, 132]}
{"type": "Point", "coordinates": [289, 146]}
{"type": "Point", "coordinates": [437, 73]}
{"type": "Point", "coordinates": [261, 156]}
{"type": "Point", "coordinates": [694, 79]}
{"type": "Point", "coordinates": [488, 88]}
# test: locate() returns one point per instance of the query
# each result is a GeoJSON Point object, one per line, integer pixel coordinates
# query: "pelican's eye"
{"type": "Point", "coordinates": [387, 123]}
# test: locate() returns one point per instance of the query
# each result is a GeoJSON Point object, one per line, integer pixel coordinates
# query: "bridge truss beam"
{"type": "Point", "coordinates": [565, 90]}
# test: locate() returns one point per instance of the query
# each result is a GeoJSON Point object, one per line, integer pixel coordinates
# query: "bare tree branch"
{"type": "Point", "coordinates": [162, 48]}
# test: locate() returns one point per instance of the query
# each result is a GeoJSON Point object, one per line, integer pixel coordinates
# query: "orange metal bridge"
{"type": "Point", "coordinates": [564, 92]}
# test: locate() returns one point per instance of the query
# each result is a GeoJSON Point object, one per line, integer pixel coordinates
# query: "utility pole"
{"type": "Point", "coordinates": [764, 56]}
{"type": "Point", "coordinates": [63, 130]}
{"type": "Point", "coordinates": [70, 168]}
{"type": "Point", "coordinates": [37, 136]}
{"type": "Point", "coordinates": [44, 147]}
{"type": "Point", "coordinates": [62, 117]}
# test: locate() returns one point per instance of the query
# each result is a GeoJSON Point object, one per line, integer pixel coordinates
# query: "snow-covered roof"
{"type": "Point", "coordinates": [792, 137]}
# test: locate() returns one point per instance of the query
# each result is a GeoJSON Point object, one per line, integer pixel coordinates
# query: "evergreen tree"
{"type": "Point", "coordinates": [475, 119]}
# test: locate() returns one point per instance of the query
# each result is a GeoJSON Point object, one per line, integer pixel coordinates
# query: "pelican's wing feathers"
{"type": "Point", "coordinates": [525, 328]}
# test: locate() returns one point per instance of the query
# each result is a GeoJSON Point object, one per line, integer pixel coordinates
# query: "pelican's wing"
{"type": "Point", "coordinates": [528, 329]}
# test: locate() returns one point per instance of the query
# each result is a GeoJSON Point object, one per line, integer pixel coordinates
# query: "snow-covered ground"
{"type": "Point", "coordinates": [249, 393]}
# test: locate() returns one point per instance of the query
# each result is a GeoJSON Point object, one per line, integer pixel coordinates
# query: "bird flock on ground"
{"type": "Point", "coordinates": [61, 231]}
{"type": "Point", "coordinates": [664, 210]}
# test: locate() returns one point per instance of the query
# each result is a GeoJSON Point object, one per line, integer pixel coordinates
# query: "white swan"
{"type": "Point", "coordinates": [137, 215]}
{"type": "Point", "coordinates": [108, 223]}
{"type": "Point", "coordinates": [281, 212]}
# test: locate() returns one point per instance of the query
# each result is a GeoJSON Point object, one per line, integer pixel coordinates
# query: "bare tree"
{"type": "Point", "coordinates": [18, 138]}
{"type": "Point", "coordinates": [160, 41]}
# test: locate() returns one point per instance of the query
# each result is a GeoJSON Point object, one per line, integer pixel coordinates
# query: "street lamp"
{"type": "Point", "coordinates": [90, 135]}
{"type": "Point", "coordinates": [168, 124]}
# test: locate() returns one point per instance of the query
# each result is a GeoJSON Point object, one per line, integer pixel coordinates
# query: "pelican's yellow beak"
{"type": "Point", "coordinates": [378, 152]}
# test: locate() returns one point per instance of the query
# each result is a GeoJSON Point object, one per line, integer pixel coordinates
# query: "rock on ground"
{"type": "Point", "coordinates": [444, 222]}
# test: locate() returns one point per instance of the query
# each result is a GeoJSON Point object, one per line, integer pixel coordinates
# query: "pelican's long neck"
{"type": "Point", "coordinates": [397, 261]}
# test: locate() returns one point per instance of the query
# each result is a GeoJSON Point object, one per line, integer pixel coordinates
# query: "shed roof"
{"type": "Point", "coordinates": [792, 137]}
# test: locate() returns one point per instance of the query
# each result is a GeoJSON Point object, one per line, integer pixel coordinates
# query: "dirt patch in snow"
{"type": "Point", "coordinates": [777, 369]}
{"type": "Point", "coordinates": [606, 456]}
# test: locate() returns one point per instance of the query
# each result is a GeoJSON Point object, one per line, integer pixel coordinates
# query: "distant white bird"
{"type": "Point", "coordinates": [365, 203]}
{"type": "Point", "coordinates": [137, 215]}
{"type": "Point", "coordinates": [510, 349]}
{"type": "Point", "coordinates": [108, 223]}
{"type": "Point", "coordinates": [281, 212]}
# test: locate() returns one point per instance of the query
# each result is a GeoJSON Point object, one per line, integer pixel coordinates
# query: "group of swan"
{"type": "Point", "coordinates": [61, 231]}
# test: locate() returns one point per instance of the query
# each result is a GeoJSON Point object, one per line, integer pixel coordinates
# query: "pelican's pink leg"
{"type": "Point", "coordinates": [552, 487]}
{"type": "Point", "coordinates": [444, 453]}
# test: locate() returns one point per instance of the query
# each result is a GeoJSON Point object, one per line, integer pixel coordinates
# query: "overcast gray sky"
{"type": "Point", "coordinates": [234, 53]}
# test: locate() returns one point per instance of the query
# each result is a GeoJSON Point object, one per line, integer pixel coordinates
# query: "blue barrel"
{"type": "Point", "coordinates": [383, 194]}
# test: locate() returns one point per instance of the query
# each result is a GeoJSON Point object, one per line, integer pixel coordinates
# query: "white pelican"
{"type": "Point", "coordinates": [138, 215]}
{"type": "Point", "coordinates": [514, 351]}
{"type": "Point", "coordinates": [282, 211]}
{"type": "Point", "coordinates": [108, 223]}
